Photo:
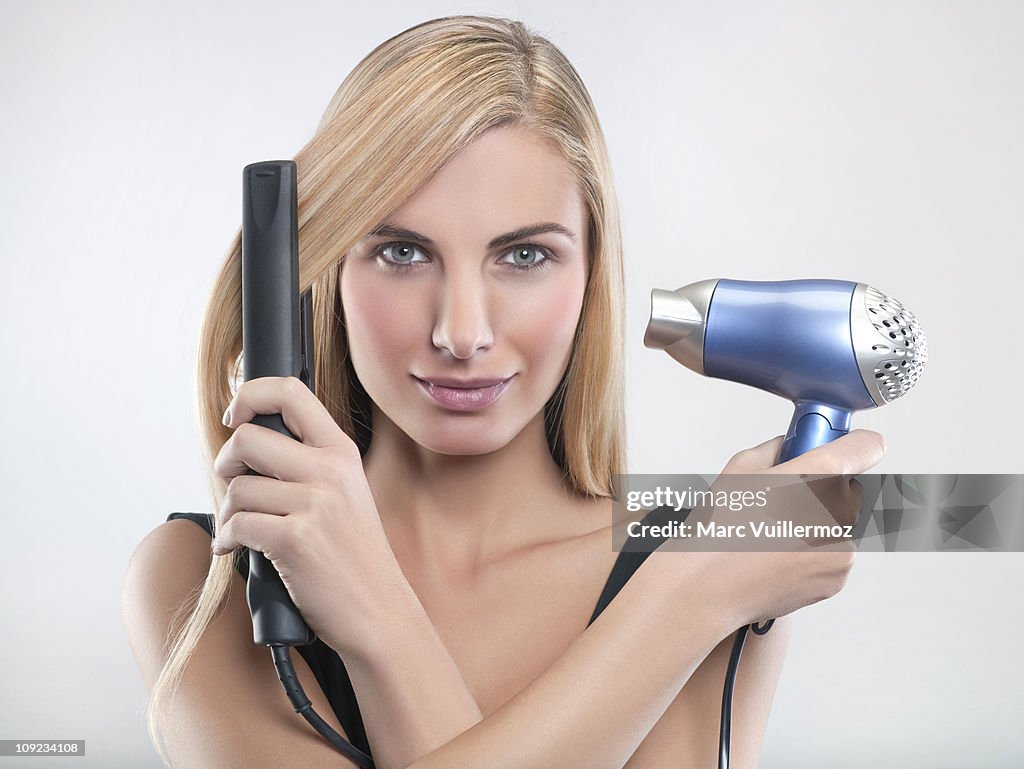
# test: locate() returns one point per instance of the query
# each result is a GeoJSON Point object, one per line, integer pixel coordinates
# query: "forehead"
{"type": "Point", "coordinates": [506, 178]}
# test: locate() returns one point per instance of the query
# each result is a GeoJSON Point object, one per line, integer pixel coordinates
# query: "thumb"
{"type": "Point", "coordinates": [851, 454]}
{"type": "Point", "coordinates": [756, 459]}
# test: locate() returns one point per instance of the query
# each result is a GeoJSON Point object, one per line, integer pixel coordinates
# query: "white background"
{"type": "Point", "coordinates": [870, 141]}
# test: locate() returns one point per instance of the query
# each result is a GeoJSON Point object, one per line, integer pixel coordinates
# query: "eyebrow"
{"type": "Point", "coordinates": [507, 239]}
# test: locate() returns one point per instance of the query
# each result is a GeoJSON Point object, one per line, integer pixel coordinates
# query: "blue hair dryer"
{"type": "Point", "coordinates": [832, 347]}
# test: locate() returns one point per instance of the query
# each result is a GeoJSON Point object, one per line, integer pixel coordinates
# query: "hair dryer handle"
{"type": "Point", "coordinates": [813, 424]}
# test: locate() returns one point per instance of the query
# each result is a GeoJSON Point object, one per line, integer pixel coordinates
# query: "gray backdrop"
{"type": "Point", "coordinates": [871, 141]}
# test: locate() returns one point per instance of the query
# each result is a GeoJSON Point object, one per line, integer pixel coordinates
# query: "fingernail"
{"type": "Point", "coordinates": [226, 419]}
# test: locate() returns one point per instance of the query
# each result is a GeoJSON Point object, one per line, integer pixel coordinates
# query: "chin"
{"type": "Point", "coordinates": [483, 442]}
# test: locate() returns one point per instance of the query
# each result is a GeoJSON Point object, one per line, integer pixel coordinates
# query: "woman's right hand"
{"type": "Point", "coordinates": [778, 579]}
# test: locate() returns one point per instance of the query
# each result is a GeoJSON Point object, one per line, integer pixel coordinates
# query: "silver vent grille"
{"type": "Point", "coordinates": [893, 355]}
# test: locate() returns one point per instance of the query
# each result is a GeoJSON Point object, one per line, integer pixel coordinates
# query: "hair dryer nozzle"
{"type": "Point", "coordinates": [677, 322]}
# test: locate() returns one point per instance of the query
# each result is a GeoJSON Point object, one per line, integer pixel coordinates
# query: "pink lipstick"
{"type": "Point", "coordinates": [465, 398]}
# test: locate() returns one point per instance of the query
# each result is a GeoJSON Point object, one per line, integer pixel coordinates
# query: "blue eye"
{"type": "Point", "coordinates": [400, 256]}
{"type": "Point", "coordinates": [523, 252]}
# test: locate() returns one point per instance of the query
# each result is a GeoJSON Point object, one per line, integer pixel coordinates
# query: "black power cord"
{"type": "Point", "coordinates": [725, 733]}
{"type": "Point", "coordinates": [302, 705]}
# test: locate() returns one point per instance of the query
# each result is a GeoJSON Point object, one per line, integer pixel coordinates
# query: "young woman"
{"type": "Point", "coordinates": [444, 523]}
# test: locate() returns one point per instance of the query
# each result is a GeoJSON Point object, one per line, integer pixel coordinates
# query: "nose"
{"type": "Point", "coordinates": [462, 326]}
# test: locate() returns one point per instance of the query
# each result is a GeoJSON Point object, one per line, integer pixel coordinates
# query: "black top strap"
{"type": "Point", "coordinates": [206, 521]}
{"type": "Point", "coordinates": [634, 552]}
{"type": "Point", "coordinates": [203, 519]}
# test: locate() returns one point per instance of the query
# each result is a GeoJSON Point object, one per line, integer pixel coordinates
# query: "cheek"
{"type": "Point", "coordinates": [545, 322]}
{"type": "Point", "coordinates": [379, 328]}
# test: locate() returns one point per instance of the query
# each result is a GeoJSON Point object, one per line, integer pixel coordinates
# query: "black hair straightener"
{"type": "Point", "coordinates": [277, 340]}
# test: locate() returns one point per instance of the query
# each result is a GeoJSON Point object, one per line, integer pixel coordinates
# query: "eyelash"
{"type": "Point", "coordinates": [406, 266]}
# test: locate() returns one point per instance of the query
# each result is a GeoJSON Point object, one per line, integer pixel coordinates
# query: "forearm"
{"type": "Point", "coordinates": [598, 701]}
{"type": "Point", "coordinates": [412, 697]}
{"type": "Point", "coordinates": [591, 708]}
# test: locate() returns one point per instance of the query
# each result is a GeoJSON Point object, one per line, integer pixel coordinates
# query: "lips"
{"type": "Point", "coordinates": [463, 384]}
{"type": "Point", "coordinates": [480, 394]}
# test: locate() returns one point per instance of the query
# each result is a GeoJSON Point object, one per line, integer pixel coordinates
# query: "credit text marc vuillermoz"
{"type": "Point", "coordinates": [778, 530]}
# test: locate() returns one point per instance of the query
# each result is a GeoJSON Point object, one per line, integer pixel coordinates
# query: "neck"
{"type": "Point", "coordinates": [456, 513]}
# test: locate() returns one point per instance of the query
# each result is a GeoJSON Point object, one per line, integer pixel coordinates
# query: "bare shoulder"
{"type": "Point", "coordinates": [168, 565]}
{"type": "Point", "coordinates": [230, 709]}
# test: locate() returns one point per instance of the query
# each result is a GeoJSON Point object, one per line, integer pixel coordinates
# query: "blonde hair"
{"type": "Point", "coordinates": [400, 115]}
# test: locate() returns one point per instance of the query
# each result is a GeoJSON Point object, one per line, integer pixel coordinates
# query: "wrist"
{"type": "Point", "coordinates": [387, 608]}
{"type": "Point", "coordinates": [699, 585]}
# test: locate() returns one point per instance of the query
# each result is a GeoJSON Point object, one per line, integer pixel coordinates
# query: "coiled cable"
{"type": "Point", "coordinates": [286, 672]}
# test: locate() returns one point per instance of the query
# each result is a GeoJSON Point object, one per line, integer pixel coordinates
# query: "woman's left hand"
{"type": "Point", "coordinates": [312, 515]}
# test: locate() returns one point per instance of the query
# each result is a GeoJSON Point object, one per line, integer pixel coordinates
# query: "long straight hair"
{"type": "Point", "coordinates": [409, 106]}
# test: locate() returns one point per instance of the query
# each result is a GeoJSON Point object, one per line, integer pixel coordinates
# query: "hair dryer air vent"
{"type": "Point", "coordinates": [891, 345]}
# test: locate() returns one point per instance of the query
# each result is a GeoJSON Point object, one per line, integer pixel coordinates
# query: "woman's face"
{"type": "Point", "coordinates": [480, 275]}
